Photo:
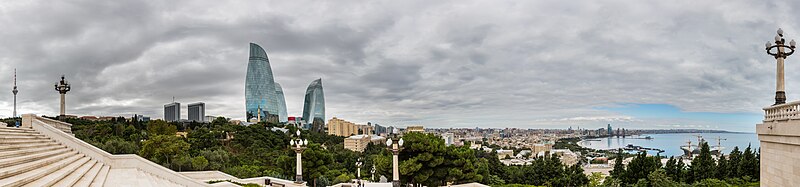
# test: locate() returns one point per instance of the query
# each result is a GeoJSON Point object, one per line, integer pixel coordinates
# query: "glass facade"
{"type": "Point", "coordinates": [314, 106]}
{"type": "Point", "coordinates": [283, 116]}
{"type": "Point", "coordinates": [259, 91]}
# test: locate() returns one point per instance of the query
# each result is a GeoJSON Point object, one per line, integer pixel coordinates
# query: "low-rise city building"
{"type": "Point", "coordinates": [340, 127]}
{"type": "Point", "coordinates": [503, 154]}
{"type": "Point", "coordinates": [415, 128]}
{"type": "Point", "coordinates": [358, 143]}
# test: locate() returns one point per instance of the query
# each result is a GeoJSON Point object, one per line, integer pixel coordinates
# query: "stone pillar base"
{"type": "Point", "coordinates": [780, 97]}
{"type": "Point", "coordinates": [298, 179]}
{"type": "Point", "coordinates": [396, 183]}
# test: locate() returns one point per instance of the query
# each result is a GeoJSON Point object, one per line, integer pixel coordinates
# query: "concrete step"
{"type": "Point", "coordinates": [7, 162]}
{"type": "Point", "coordinates": [14, 129]}
{"type": "Point", "coordinates": [4, 133]}
{"type": "Point", "coordinates": [50, 178]}
{"type": "Point", "coordinates": [24, 141]}
{"type": "Point", "coordinates": [87, 178]}
{"type": "Point", "coordinates": [6, 172]}
{"type": "Point", "coordinates": [28, 151]}
{"type": "Point", "coordinates": [32, 175]}
{"type": "Point", "coordinates": [4, 138]}
{"type": "Point", "coordinates": [77, 174]}
{"type": "Point", "coordinates": [11, 147]}
{"type": "Point", "coordinates": [100, 179]}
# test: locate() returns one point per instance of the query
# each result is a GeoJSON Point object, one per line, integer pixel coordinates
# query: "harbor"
{"type": "Point", "coordinates": [675, 144]}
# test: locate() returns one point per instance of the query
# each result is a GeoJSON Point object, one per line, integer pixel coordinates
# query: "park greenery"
{"type": "Point", "coordinates": [736, 169]}
{"type": "Point", "coordinates": [263, 150]}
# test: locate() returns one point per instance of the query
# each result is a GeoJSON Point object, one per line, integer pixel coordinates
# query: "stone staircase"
{"type": "Point", "coordinates": [28, 158]}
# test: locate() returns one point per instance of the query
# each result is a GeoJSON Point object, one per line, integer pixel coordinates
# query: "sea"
{"type": "Point", "coordinates": [671, 143]}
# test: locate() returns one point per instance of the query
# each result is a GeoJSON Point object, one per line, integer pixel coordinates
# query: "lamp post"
{"type": "Point", "coordinates": [395, 144]}
{"type": "Point", "coordinates": [358, 171]}
{"type": "Point", "coordinates": [780, 53]}
{"type": "Point", "coordinates": [298, 145]}
{"type": "Point", "coordinates": [62, 87]}
{"type": "Point", "coordinates": [373, 172]}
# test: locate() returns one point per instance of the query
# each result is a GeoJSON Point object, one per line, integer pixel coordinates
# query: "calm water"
{"type": "Point", "coordinates": [671, 143]}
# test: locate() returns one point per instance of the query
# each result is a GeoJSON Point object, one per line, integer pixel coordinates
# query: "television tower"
{"type": "Point", "coordinates": [15, 93]}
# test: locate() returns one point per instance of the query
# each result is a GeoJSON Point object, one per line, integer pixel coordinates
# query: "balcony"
{"type": "Point", "coordinates": [782, 112]}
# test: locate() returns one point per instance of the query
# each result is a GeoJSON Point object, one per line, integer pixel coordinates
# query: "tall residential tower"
{"type": "Point", "coordinates": [172, 112]}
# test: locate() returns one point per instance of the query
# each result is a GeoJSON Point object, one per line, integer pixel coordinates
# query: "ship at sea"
{"type": "Point", "coordinates": [690, 150]}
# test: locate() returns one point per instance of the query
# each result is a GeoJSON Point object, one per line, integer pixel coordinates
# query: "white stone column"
{"type": "Point", "coordinates": [299, 167]}
{"type": "Point", "coordinates": [63, 110]}
{"type": "Point", "coordinates": [780, 83]}
{"type": "Point", "coordinates": [395, 169]}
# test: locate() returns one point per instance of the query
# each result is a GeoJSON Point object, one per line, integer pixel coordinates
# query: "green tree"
{"type": "Point", "coordinates": [160, 127]}
{"type": "Point", "coordinates": [199, 163]}
{"type": "Point", "coordinates": [734, 160]}
{"type": "Point", "coordinates": [639, 167]}
{"type": "Point", "coordinates": [619, 169]}
{"type": "Point", "coordinates": [748, 165]}
{"type": "Point", "coordinates": [117, 145]}
{"type": "Point", "coordinates": [722, 165]}
{"type": "Point", "coordinates": [595, 178]}
{"type": "Point", "coordinates": [316, 161]}
{"type": "Point", "coordinates": [217, 159]}
{"type": "Point", "coordinates": [163, 148]}
{"type": "Point", "coordinates": [703, 165]}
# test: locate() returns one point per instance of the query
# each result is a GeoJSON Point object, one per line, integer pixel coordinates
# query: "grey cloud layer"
{"type": "Point", "coordinates": [458, 63]}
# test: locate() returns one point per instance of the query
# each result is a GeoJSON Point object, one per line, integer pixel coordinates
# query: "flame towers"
{"type": "Point", "coordinates": [314, 106]}
{"type": "Point", "coordinates": [283, 115]}
{"type": "Point", "coordinates": [259, 91]}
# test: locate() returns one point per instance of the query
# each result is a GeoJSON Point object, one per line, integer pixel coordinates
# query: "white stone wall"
{"type": "Point", "coordinates": [780, 152]}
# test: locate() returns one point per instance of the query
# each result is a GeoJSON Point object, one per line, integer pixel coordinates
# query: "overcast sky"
{"type": "Point", "coordinates": [526, 64]}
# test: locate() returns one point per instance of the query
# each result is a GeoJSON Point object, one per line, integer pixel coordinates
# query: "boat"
{"type": "Point", "coordinates": [689, 150]}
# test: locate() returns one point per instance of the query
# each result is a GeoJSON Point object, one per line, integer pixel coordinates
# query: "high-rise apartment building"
{"type": "Point", "coordinates": [197, 112]}
{"type": "Point", "coordinates": [314, 106]}
{"type": "Point", "coordinates": [380, 130]}
{"type": "Point", "coordinates": [172, 112]}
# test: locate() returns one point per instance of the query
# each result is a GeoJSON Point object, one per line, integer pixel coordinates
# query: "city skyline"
{"type": "Point", "coordinates": [631, 64]}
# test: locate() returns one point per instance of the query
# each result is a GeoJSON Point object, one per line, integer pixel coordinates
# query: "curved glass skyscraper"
{"type": "Point", "coordinates": [314, 106]}
{"type": "Point", "coordinates": [283, 116]}
{"type": "Point", "coordinates": [259, 86]}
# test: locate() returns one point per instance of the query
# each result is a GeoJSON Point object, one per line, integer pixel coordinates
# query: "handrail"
{"type": "Point", "coordinates": [218, 175]}
{"type": "Point", "coordinates": [60, 125]}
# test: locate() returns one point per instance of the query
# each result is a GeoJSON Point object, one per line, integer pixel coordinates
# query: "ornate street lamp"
{"type": "Point", "coordinates": [373, 172]}
{"type": "Point", "coordinates": [780, 53]}
{"type": "Point", "coordinates": [358, 171]}
{"type": "Point", "coordinates": [395, 144]}
{"type": "Point", "coordinates": [298, 144]}
{"type": "Point", "coordinates": [62, 87]}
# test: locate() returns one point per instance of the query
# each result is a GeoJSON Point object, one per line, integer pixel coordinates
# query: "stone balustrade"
{"type": "Point", "coordinates": [27, 122]}
{"type": "Point", "coordinates": [60, 125]}
{"type": "Point", "coordinates": [782, 112]}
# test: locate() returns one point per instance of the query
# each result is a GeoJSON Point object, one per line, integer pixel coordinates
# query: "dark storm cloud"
{"type": "Point", "coordinates": [457, 63]}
